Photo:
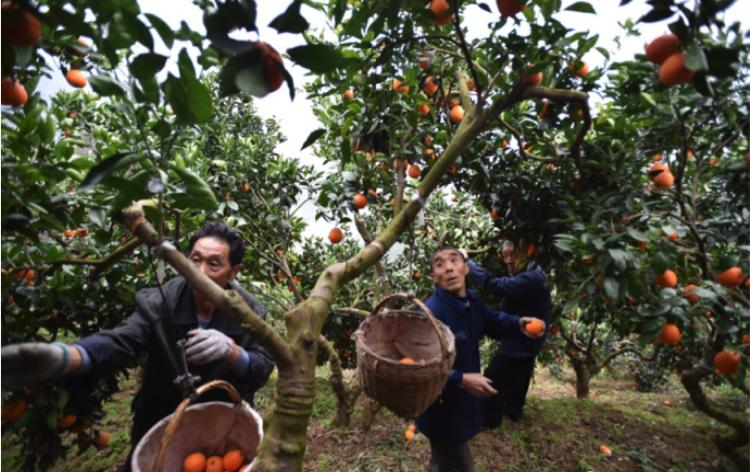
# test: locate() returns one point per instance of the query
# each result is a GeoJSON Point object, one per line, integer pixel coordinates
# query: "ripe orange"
{"type": "Point", "coordinates": [82, 232]}
{"type": "Point", "coordinates": [66, 421]}
{"type": "Point", "coordinates": [69, 233]}
{"type": "Point", "coordinates": [414, 171]}
{"type": "Point", "coordinates": [21, 28]}
{"type": "Point", "coordinates": [581, 71]}
{"type": "Point", "coordinates": [13, 410]}
{"type": "Point", "coordinates": [554, 329]}
{"type": "Point", "coordinates": [245, 187]}
{"type": "Point", "coordinates": [233, 460]}
{"type": "Point", "coordinates": [213, 464]}
{"type": "Point", "coordinates": [424, 63]}
{"type": "Point", "coordinates": [85, 44]}
{"type": "Point", "coordinates": [424, 109]}
{"type": "Point", "coordinates": [347, 96]}
{"type": "Point", "coordinates": [727, 362]}
{"type": "Point", "coordinates": [430, 153]}
{"type": "Point", "coordinates": [408, 435]}
{"type": "Point", "coordinates": [689, 294]}
{"type": "Point", "coordinates": [335, 235]}
{"type": "Point", "coordinates": [664, 179]}
{"type": "Point", "coordinates": [658, 50]}
{"type": "Point", "coordinates": [416, 275]}
{"type": "Point", "coordinates": [642, 244]}
{"type": "Point", "coordinates": [745, 339]}
{"type": "Point", "coordinates": [494, 214]}
{"type": "Point", "coordinates": [430, 87]}
{"type": "Point", "coordinates": [76, 78]}
{"type": "Point", "coordinates": [427, 140]}
{"type": "Point", "coordinates": [407, 360]}
{"type": "Point", "coordinates": [453, 170]}
{"type": "Point", "coordinates": [670, 334]}
{"type": "Point", "coordinates": [534, 327]}
{"type": "Point", "coordinates": [102, 439]}
{"type": "Point", "coordinates": [411, 427]}
{"type": "Point", "coordinates": [441, 9]}
{"type": "Point", "coordinates": [667, 403]}
{"type": "Point", "coordinates": [731, 277]}
{"type": "Point", "coordinates": [533, 79]}
{"type": "Point", "coordinates": [13, 93]}
{"type": "Point", "coordinates": [712, 162]}
{"type": "Point", "coordinates": [395, 85]}
{"type": "Point", "coordinates": [504, 144]}
{"type": "Point", "coordinates": [471, 85]}
{"type": "Point", "coordinates": [509, 7]}
{"type": "Point", "coordinates": [360, 201]}
{"type": "Point", "coordinates": [658, 166]}
{"type": "Point", "coordinates": [272, 66]}
{"type": "Point", "coordinates": [456, 114]}
{"type": "Point", "coordinates": [605, 450]}
{"type": "Point", "coordinates": [667, 279]}
{"type": "Point", "coordinates": [531, 250]}
{"type": "Point", "coordinates": [195, 462]}
{"type": "Point", "coordinates": [673, 70]}
{"type": "Point", "coordinates": [708, 314]}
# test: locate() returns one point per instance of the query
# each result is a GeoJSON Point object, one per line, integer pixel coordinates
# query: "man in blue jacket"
{"type": "Point", "coordinates": [455, 417]}
{"type": "Point", "coordinates": [524, 291]}
{"type": "Point", "coordinates": [217, 347]}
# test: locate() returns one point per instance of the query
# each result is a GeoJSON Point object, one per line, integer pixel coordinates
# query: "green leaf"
{"type": "Point", "coordinates": [106, 86]}
{"type": "Point", "coordinates": [147, 65]}
{"type": "Point", "coordinates": [312, 137]}
{"type": "Point", "coordinates": [196, 187]}
{"type": "Point", "coordinates": [140, 31]}
{"type": "Point", "coordinates": [134, 188]}
{"type": "Point", "coordinates": [102, 170]}
{"type": "Point", "coordinates": [166, 33]}
{"type": "Point", "coordinates": [619, 257]}
{"type": "Point", "coordinates": [190, 100]}
{"type": "Point", "coordinates": [185, 64]}
{"type": "Point", "coordinates": [695, 59]}
{"type": "Point", "coordinates": [318, 58]}
{"type": "Point", "coordinates": [612, 288]}
{"type": "Point", "coordinates": [722, 62]}
{"type": "Point", "coordinates": [290, 21]}
{"type": "Point", "coordinates": [657, 14]}
{"type": "Point", "coordinates": [581, 7]}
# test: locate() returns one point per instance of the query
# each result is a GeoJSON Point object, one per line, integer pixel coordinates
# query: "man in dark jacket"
{"type": "Point", "coordinates": [216, 345]}
{"type": "Point", "coordinates": [455, 417]}
{"type": "Point", "coordinates": [524, 291]}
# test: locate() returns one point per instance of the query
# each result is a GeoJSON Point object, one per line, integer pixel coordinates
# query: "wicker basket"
{"type": "Point", "coordinates": [205, 427]}
{"type": "Point", "coordinates": [391, 333]}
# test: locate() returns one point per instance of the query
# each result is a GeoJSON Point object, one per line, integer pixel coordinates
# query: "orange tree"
{"type": "Point", "coordinates": [663, 188]}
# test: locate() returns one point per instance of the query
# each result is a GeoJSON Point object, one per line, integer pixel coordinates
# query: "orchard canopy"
{"type": "Point", "coordinates": [454, 121]}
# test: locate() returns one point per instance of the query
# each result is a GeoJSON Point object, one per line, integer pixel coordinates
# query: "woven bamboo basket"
{"type": "Point", "coordinates": [392, 332]}
{"type": "Point", "coordinates": [211, 427]}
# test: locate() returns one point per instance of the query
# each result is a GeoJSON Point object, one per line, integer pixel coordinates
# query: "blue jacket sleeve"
{"type": "Point", "coordinates": [523, 283]}
{"type": "Point", "coordinates": [499, 324]}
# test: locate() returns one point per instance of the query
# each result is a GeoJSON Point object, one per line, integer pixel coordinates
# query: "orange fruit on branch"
{"type": "Point", "coordinates": [673, 70]}
{"type": "Point", "coordinates": [347, 96]}
{"type": "Point", "coordinates": [670, 334]}
{"type": "Point", "coordinates": [430, 87]}
{"type": "Point", "coordinates": [102, 439]}
{"type": "Point", "coordinates": [727, 362]}
{"type": "Point", "coordinates": [66, 421]}
{"type": "Point", "coordinates": [456, 114]}
{"type": "Point", "coordinates": [272, 66]}
{"type": "Point", "coordinates": [408, 435]}
{"type": "Point", "coordinates": [20, 27]}
{"type": "Point", "coordinates": [76, 78]}
{"type": "Point", "coordinates": [658, 50]}
{"type": "Point", "coordinates": [360, 201]}
{"type": "Point", "coordinates": [13, 93]}
{"type": "Point", "coordinates": [509, 7]}
{"type": "Point", "coordinates": [335, 235]}
{"type": "Point", "coordinates": [667, 279]}
{"type": "Point", "coordinates": [424, 109]}
{"type": "Point", "coordinates": [689, 293]}
{"type": "Point", "coordinates": [13, 410]}
{"type": "Point", "coordinates": [664, 179]}
{"type": "Point", "coordinates": [731, 277]}
{"type": "Point", "coordinates": [414, 171]}
{"type": "Point", "coordinates": [441, 10]}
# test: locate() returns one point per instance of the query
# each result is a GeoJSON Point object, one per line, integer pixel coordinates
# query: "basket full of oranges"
{"type": "Point", "coordinates": [206, 437]}
{"type": "Point", "coordinates": [404, 355]}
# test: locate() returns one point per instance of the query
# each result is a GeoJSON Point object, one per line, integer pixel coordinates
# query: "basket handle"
{"type": "Point", "coordinates": [171, 428]}
{"type": "Point", "coordinates": [387, 301]}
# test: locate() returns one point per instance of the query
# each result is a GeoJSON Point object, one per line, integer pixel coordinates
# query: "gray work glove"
{"type": "Point", "coordinates": [31, 363]}
{"type": "Point", "coordinates": [207, 345]}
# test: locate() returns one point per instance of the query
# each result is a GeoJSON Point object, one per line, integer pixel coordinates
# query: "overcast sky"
{"type": "Point", "coordinates": [296, 118]}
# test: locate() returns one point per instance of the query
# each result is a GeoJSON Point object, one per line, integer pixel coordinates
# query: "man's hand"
{"type": "Point", "coordinates": [478, 385]}
{"type": "Point", "coordinates": [209, 345]}
{"type": "Point", "coordinates": [464, 253]}
{"type": "Point", "coordinates": [31, 363]}
{"type": "Point", "coordinates": [532, 327]}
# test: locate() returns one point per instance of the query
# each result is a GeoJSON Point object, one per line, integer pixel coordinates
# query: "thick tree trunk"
{"type": "Point", "coordinates": [370, 409]}
{"type": "Point", "coordinates": [583, 377]}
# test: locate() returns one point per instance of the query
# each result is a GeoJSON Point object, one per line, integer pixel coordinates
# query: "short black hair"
{"type": "Point", "coordinates": [219, 229]}
{"type": "Point", "coordinates": [445, 247]}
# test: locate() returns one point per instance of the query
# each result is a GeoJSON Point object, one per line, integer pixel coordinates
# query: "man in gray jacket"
{"type": "Point", "coordinates": [216, 346]}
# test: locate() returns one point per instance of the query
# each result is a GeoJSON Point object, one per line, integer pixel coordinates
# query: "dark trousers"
{"type": "Point", "coordinates": [510, 376]}
{"type": "Point", "coordinates": [450, 457]}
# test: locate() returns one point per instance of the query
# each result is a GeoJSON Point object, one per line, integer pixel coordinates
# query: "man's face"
{"type": "Point", "coordinates": [449, 271]}
{"type": "Point", "coordinates": [211, 256]}
{"type": "Point", "coordinates": [512, 260]}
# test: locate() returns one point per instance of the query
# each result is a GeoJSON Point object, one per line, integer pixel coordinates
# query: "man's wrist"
{"type": "Point", "coordinates": [75, 360]}
{"type": "Point", "coordinates": [233, 354]}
